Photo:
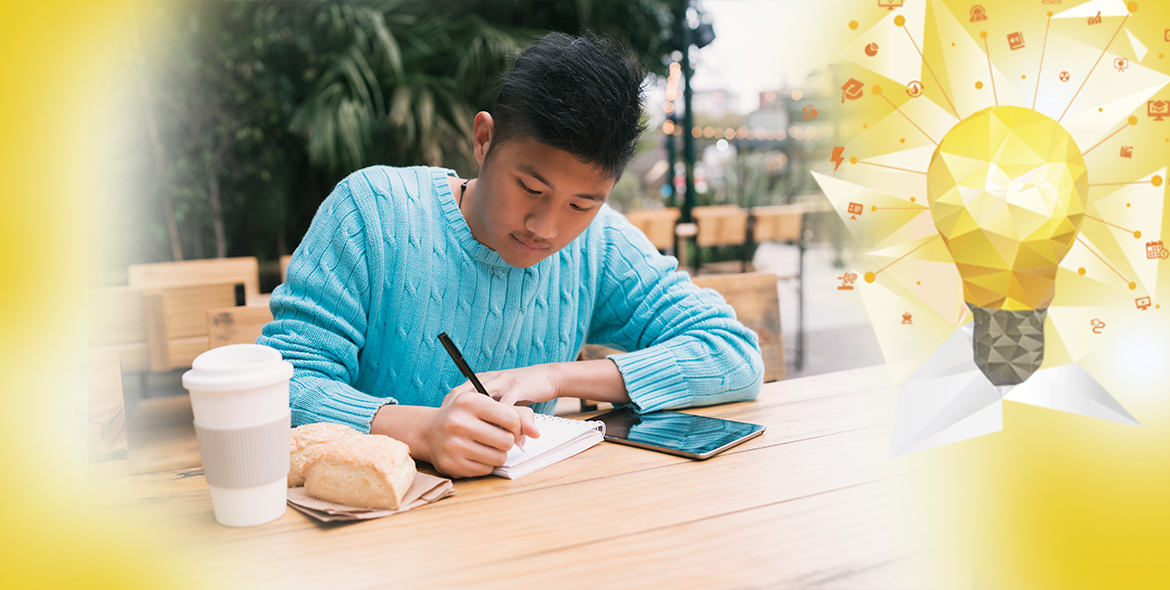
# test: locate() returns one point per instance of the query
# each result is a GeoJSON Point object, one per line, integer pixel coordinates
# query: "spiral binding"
{"type": "Point", "coordinates": [547, 417]}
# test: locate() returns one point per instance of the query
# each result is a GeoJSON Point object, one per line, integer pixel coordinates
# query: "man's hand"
{"type": "Point", "coordinates": [519, 387]}
{"type": "Point", "coordinates": [471, 434]}
{"type": "Point", "coordinates": [597, 380]}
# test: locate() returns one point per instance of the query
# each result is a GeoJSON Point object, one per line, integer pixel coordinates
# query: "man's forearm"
{"type": "Point", "coordinates": [598, 380]}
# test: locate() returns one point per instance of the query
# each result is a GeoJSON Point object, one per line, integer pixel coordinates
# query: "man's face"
{"type": "Point", "coordinates": [533, 199]}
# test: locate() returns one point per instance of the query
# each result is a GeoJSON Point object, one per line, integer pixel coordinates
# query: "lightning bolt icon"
{"type": "Point", "coordinates": [837, 157]}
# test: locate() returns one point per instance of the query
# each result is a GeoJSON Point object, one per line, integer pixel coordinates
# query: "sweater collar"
{"type": "Point", "coordinates": [458, 226]}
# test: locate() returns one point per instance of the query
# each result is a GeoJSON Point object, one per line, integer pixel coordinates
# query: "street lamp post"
{"type": "Point", "coordinates": [685, 37]}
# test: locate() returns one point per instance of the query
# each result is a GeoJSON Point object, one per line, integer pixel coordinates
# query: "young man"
{"type": "Point", "coordinates": [521, 266]}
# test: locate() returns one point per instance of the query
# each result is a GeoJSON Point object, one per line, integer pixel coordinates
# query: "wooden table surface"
{"type": "Point", "coordinates": [814, 502]}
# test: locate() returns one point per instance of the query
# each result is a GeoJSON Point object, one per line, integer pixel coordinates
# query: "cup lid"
{"type": "Point", "coordinates": [237, 367]}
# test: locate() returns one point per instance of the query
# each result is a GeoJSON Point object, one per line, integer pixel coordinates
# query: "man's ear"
{"type": "Point", "coordinates": [481, 137]}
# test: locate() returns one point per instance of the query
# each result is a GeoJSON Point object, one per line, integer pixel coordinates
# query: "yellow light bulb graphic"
{"type": "Point", "coordinates": [1007, 188]}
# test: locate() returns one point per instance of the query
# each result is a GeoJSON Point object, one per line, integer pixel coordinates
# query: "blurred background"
{"type": "Point", "coordinates": [234, 120]}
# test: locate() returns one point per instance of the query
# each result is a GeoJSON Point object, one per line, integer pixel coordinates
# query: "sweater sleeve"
{"type": "Point", "coordinates": [687, 348]}
{"type": "Point", "coordinates": [321, 315]}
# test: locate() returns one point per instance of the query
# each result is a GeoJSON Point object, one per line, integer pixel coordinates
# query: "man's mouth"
{"type": "Point", "coordinates": [529, 247]}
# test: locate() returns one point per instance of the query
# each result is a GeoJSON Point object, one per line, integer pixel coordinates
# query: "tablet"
{"type": "Point", "coordinates": [696, 437]}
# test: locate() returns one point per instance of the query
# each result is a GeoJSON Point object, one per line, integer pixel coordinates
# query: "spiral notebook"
{"type": "Point", "coordinates": [560, 438]}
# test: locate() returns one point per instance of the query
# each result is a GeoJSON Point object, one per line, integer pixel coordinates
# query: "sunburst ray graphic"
{"type": "Point", "coordinates": [1004, 186]}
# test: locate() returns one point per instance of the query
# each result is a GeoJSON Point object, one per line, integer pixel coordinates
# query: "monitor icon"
{"type": "Point", "coordinates": [855, 209]}
{"type": "Point", "coordinates": [1158, 109]}
{"type": "Point", "coordinates": [890, 4]}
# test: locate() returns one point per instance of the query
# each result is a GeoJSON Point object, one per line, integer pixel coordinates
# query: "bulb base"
{"type": "Point", "coordinates": [1009, 345]}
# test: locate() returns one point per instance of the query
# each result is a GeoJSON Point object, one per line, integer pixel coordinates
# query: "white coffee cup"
{"type": "Point", "coordinates": [239, 395]}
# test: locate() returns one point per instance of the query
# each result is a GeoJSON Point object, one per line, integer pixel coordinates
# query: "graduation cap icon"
{"type": "Point", "coordinates": [851, 90]}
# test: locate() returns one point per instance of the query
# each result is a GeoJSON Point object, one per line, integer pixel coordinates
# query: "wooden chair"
{"type": "Point", "coordinates": [176, 319]}
{"type": "Point", "coordinates": [117, 320]}
{"type": "Point", "coordinates": [284, 260]}
{"type": "Point", "coordinates": [106, 439]}
{"type": "Point", "coordinates": [157, 329]}
{"type": "Point", "coordinates": [236, 325]}
{"type": "Point", "coordinates": [158, 434]}
{"type": "Point", "coordinates": [756, 301]}
{"type": "Point", "coordinates": [657, 224]}
{"type": "Point", "coordinates": [781, 223]}
{"type": "Point", "coordinates": [786, 224]}
{"type": "Point", "coordinates": [722, 225]}
{"type": "Point", "coordinates": [245, 269]}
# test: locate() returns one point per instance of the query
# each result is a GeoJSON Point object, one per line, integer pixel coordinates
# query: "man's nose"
{"type": "Point", "coordinates": [543, 223]}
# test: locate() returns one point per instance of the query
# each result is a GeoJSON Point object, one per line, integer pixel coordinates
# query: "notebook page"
{"type": "Point", "coordinates": [553, 433]}
{"type": "Point", "coordinates": [557, 441]}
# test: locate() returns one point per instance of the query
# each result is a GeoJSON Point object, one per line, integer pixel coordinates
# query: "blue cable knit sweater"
{"type": "Point", "coordinates": [389, 262]}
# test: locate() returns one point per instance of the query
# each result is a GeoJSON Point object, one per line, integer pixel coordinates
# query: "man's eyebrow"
{"type": "Point", "coordinates": [529, 170]}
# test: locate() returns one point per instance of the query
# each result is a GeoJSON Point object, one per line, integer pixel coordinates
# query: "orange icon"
{"type": "Point", "coordinates": [978, 14]}
{"type": "Point", "coordinates": [1120, 63]}
{"type": "Point", "coordinates": [1143, 303]}
{"type": "Point", "coordinates": [1095, 20]}
{"type": "Point", "coordinates": [1127, 151]}
{"type": "Point", "coordinates": [1064, 76]}
{"type": "Point", "coordinates": [855, 209]}
{"type": "Point", "coordinates": [847, 281]}
{"type": "Point", "coordinates": [1158, 109]}
{"type": "Point", "coordinates": [906, 318]}
{"type": "Point", "coordinates": [837, 157]}
{"type": "Point", "coordinates": [1015, 40]}
{"type": "Point", "coordinates": [1098, 325]}
{"type": "Point", "coordinates": [852, 90]}
{"type": "Point", "coordinates": [914, 88]}
{"type": "Point", "coordinates": [871, 49]}
{"type": "Point", "coordinates": [808, 112]}
{"type": "Point", "coordinates": [1155, 250]}
{"type": "Point", "coordinates": [891, 4]}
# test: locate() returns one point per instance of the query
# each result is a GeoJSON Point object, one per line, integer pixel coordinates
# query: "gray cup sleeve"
{"type": "Point", "coordinates": [245, 457]}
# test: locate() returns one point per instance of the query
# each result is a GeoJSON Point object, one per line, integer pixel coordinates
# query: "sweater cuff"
{"type": "Point", "coordinates": [653, 378]}
{"type": "Point", "coordinates": [343, 405]}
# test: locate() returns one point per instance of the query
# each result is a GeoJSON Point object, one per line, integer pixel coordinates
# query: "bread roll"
{"type": "Point", "coordinates": [305, 440]}
{"type": "Point", "coordinates": [367, 471]}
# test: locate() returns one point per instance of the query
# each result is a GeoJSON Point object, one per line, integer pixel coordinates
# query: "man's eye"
{"type": "Point", "coordinates": [582, 209]}
{"type": "Point", "coordinates": [530, 191]}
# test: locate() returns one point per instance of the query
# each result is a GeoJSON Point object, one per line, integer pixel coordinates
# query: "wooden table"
{"type": "Point", "coordinates": [813, 503]}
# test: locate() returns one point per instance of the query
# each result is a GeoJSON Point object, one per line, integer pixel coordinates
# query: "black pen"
{"type": "Point", "coordinates": [464, 368]}
{"type": "Point", "coordinates": [462, 364]}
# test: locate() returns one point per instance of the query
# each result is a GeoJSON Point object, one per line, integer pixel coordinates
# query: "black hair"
{"type": "Point", "coordinates": [582, 95]}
